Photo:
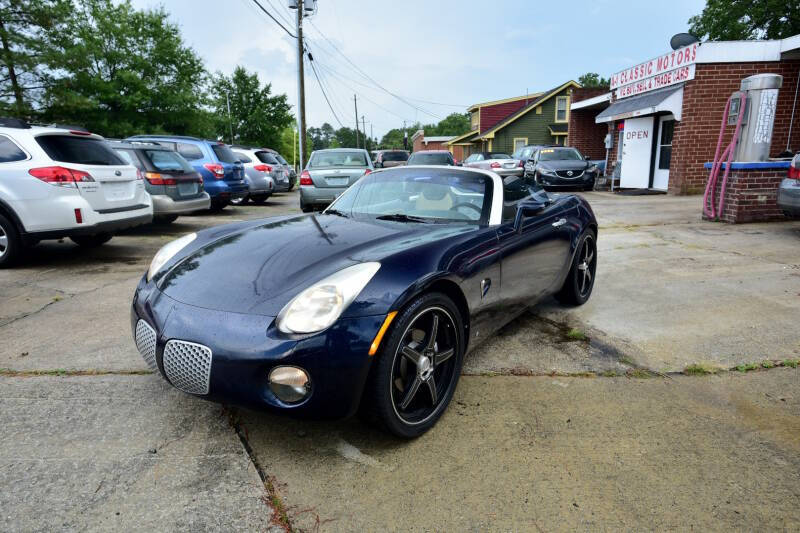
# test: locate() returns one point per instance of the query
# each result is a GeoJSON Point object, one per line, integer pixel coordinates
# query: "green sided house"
{"type": "Point", "coordinates": [506, 125]}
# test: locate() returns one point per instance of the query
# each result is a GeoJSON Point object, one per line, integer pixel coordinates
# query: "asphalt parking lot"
{"type": "Point", "coordinates": [568, 419]}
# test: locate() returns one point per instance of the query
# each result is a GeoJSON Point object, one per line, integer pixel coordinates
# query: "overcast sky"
{"type": "Point", "coordinates": [457, 52]}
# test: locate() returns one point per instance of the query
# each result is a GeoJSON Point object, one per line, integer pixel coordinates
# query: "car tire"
{"type": "Point", "coordinates": [259, 200]}
{"type": "Point", "coordinates": [589, 187]}
{"type": "Point", "coordinates": [216, 207]}
{"type": "Point", "coordinates": [241, 200]}
{"type": "Point", "coordinates": [399, 396]}
{"type": "Point", "coordinates": [578, 286]}
{"type": "Point", "coordinates": [165, 219]}
{"type": "Point", "coordinates": [10, 243]}
{"type": "Point", "coordinates": [91, 241]}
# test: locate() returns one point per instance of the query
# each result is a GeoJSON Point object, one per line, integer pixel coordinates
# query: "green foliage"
{"type": "Point", "coordinates": [125, 71]}
{"type": "Point", "coordinates": [791, 363]}
{"type": "Point", "coordinates": [575, 334]}
{"type": "Point", "coordinates": [256, 116]}
{"type": "Point", "coordinates": [452, 124]}
{"type": "Point", "coordinates": [725, 20]}
{"type": "Point", "coordinates": [26, 30]}
{"type": "Point", "coordinates": [767, 364]}
{"type": "Point", "coordinates": [593, 79]}
{"type": "Point", "coordinates": [700, 369]}
{"type": "Point", "coordinates": [746, 367]}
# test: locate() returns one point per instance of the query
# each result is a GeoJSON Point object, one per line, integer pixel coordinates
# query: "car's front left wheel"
{"type": "Point", "coordinates": [578, 286]}
{"type": "Point", "coordinates": [418, 367]}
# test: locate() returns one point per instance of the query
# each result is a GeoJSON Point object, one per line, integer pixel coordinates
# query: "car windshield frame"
{"type": "Point", "coordinates": [557, 151]}
{"type": "Point", "coordinates": [332, 156]}
{"type": "Point", "coordinates": [497, 155]}
{"type": "Point", "coordinates": [224, 154]}
{"type": "Point", "coordinates": [268, 158]}
{"type": "Point", "coordinates": [391, 185]}
{"type": "Point", "coordinates": [61, 147]}
{"type": "Point", "coordinates": [185, 167]}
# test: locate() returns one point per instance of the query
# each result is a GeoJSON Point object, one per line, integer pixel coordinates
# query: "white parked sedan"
{"type": "Point", "coordinates": [497, 162]}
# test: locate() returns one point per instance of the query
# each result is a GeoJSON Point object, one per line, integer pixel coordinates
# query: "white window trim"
{"type": "Point", "coordinates": [566, 109]}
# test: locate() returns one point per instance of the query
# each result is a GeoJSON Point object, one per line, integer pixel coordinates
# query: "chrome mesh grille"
{"type": "Point", "coordinates": [146, 343]}
{"type": "Point", "coordinates": [188, 366]}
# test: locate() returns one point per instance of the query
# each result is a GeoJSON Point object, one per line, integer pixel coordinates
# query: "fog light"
{"type": "Point", "coordinates": [290, 384]}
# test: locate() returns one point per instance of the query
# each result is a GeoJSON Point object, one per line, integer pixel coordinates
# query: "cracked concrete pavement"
{"type": "Point", "coordinates": [555, 452]}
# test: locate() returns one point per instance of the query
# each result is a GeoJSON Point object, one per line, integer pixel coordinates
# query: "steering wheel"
{"type": "Point", "coordinates": [467, 204]}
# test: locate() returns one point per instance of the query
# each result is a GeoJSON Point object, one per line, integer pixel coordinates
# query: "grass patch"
{"type": "Point", "coordinates": [700, 369]}
{"type": "Point", "coordinates": [767, 364]}
{"type": "Point", "coordinates": [747, 367]}
{"type": "Point", "coordinates": [792, 363]}
{"type": "Point", "coordinates": [609, 374]}
{"type": "Point", "coordinates": [640, 373]}
{"type": "Point", "coordinates": [575, 334]}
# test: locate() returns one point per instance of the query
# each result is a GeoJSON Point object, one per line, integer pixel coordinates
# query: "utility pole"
{"type": "Point", "coordinates": [364, 129]}
{"type": "Point", "coordinates": [355, 103]}
{"type": "Point", "coordinates": [301, 87]}
{"type": "Point", "coordinates": [230, 122]}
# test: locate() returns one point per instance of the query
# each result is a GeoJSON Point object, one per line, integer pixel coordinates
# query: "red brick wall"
{"type": "Point", "coordinates": [492, 115]}
{"type": "Point", "coordinates": [434, 146]}
{"type": "Point", "coordinates": [585, 134]}
{"type": "Point", "coordinates": [418, 144]}
{"type": "Point", "coordinates": [703, 103]}
{"type": "Point", "coordinates": [750, 195]}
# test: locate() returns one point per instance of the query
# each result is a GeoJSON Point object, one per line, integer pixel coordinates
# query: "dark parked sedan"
{"type": "Point", "coordinates": [372, 304]}
{"type": "Point", "coordinates": [561, 167]}
{"type": "Point", "coordinates": [431, 157]}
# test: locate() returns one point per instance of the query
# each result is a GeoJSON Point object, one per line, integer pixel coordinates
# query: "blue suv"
{"type": "Point", "coordinates": [222, 172]}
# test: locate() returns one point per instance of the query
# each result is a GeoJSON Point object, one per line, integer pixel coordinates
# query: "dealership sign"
{"type": "Point", "coordinates": [675, 67]}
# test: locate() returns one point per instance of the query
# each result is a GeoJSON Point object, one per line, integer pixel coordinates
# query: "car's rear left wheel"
{"type": "Point", "coordinates": [10, 242]}
{"type": "Point", "coordinates": [418, 367]}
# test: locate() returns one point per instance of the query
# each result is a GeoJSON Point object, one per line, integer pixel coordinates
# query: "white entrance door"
{"type": "Point", "coordinates": [666, 128]}
{"type": "Point", "coordinates": [637, 146]}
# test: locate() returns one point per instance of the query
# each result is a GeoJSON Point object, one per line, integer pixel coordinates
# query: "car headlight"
{"type": "Point", "coordinates": [592, 168]}
{"type": "Point", "coordinates": [167, 252]}
{"type": "Point", "coordinates": [548, 172]}
{"type": "Point", "coordinates": [320, 305]}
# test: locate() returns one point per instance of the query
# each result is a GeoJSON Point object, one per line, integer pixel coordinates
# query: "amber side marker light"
{"type": "Point", "coordinates": [377, 342]}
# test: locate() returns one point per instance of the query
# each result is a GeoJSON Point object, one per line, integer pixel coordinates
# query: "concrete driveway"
{"type": "Point", "coordinates": [92, 440]}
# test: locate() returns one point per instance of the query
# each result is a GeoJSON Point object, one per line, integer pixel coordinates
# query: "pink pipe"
{"type": "Point", "coordinates": [727, 155]}
{"type": "Point", "coordinates": [732, 147]}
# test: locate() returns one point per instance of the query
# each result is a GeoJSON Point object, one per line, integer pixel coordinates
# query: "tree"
{"type": "Point", "coordinates": [26, 27]}
{"type": "Point", "coordinates": [394, 137]}
{"type": "Point", "coordinates": [321, 137]}
{"type": "Point", "coordinates": [256, 116]}
{"type": "Point", "coordinates": [452, 124]}
{"type": "Point", "coordinates": [726, 20]}
{"type": "Point", "coordinates": [126, 71]}
{"type": "Point", "coordinates": [593, 79]}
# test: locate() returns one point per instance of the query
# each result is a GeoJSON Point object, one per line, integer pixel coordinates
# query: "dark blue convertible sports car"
{"type": "Point", "coordinates": [370, 306]}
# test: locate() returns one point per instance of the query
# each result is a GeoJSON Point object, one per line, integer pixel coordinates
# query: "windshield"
{"type": "Point", "coordinates": [79, 150]}
{"type": "Point", "coordinates": [224, 154]}
{"type": "Point", "coordinates": [420, 195]}
{"type": "Point", "coordinates": [268, 158]}
{"type": "Point", "coordinates": [338, 159]}
{"type": "Point", "coordinates": [280, 159]}
{"type": "Point", "coordinates": [560, 154]}
{"type": "Point", "coordinates": [497, 155]}
{"type": "Point", "coordinates": [395, 156]}
{"type": "Point", "coordinates": [168, 161]}
{"type": "Point", "coordinates": [430, 159]}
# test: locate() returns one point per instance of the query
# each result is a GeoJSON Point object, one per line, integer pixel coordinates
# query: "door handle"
{"type": "Point", "coordinates": [560, 222]}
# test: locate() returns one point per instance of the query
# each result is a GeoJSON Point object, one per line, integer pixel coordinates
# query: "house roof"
{"type": "Point", "coordinates": [489, 134]}
{"type": "Point", "coordinates": [464, 139]}
{"type": "Point", "coordinates": [417, 134]}
{"type": "Point", "coordinates": [531, 96]}
{"type": "Point", "coordinates": [438, 138]}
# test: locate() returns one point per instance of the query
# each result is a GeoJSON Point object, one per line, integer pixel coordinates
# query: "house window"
{"type": "Point", "coordinates": [561, 108]}
{"type": "Point", "coordinates": [539, 110]}
{"type": "Point", "coordinates": [520, 143]}
{"type": "Point", "coordinates": [475, 119]}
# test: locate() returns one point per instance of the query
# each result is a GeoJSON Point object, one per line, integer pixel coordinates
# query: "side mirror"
{"type": "Point", "coordinates": [378, 164]}
{"type": "Point", "coordinates": [529, 208]}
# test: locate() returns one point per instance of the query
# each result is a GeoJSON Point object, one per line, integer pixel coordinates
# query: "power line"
{"type": "Point", "coordinates": [321, 88]}
{"type": "Point", "coordinates": [290, 34]}
{"type": "Point", "coordinates": [368, 77]}
{"type": "Point", "coordinates": [285, 17]}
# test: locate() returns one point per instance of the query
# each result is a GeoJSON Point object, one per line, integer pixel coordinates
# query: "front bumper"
{"type": "Point", "coordinates": [164, 205]}
{"type": "Point", "coordinates": [789, 196]}
{"type": "Point", "coordinates": [245, 348]}
{"type": "Point", "coordinates": [310, 195]}
{"type": "Point", "coordinates": [585, 180]}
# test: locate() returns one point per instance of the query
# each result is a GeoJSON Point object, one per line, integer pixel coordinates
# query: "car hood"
{"type": "Point", "coordinates": [567, 164]}
{"type": "Point", "coordinates": [259, 268]}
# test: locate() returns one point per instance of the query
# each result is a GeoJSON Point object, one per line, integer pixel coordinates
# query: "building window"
{"type": "Point", "coordinates": [539, 110]}
{"type": "Point", "coordinates": [561, 108]}
{"type": "Point", "coordinates": [475, 119]}
{"type": "Point", "coordinates": [665, 146]}
{"type": "Point", "coordinates": [520, 143]}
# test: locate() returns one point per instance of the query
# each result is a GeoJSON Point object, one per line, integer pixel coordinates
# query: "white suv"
{"type": "Point", "coordinates": [57, 182]}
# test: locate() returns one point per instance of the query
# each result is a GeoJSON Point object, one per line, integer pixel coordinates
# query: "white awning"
{"type": "Point", "coordinates": [664, 100]}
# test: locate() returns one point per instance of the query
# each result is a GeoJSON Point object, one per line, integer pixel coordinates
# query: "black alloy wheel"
{"type": "Point", "coordinates": [418, 367]}
{"type": "Point", "coordinates": [578, 286]}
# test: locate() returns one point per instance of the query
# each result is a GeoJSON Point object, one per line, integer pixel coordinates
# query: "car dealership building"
{"type": "Point", "coordinates": [661, 118]}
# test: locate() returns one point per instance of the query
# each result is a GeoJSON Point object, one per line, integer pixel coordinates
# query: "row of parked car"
{"type": "Point", "coordinates": [330, 172]}
{"type": "Point", "coordinates": [62, 181]}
